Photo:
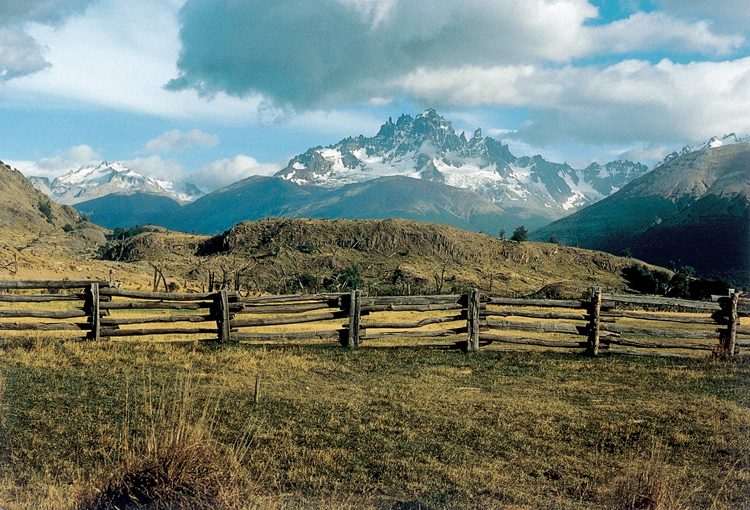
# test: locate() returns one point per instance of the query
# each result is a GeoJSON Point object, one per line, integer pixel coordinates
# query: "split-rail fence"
{"type": "Point", "coordinates": [605, 323]}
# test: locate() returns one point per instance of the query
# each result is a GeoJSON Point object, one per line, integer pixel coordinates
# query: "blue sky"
{"type": "Point", "coordinates": [211, 91]}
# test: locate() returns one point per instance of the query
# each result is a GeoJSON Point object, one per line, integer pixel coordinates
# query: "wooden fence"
{"type": "Point", "coordinates": [606, 323]}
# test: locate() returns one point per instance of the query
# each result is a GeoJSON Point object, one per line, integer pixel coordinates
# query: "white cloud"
{"type": "Point", "coordinates": [630, 101]}
{"type": "Point", "coordinates": [130, 51]}
{"type": "Point", "coordinates": [179, 140]}
{"type": "Point", "coordinates": [651, 154]}
{"type": "Point", "coordinates": [224, 172]}
{"type": "Point", "coordinates": [72, 159]}
{"type": "Point", "coordinates": [659, 31]}
{"type": "Point", "coordinates": [155, 166]}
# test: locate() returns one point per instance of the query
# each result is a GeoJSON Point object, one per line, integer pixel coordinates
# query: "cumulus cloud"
{"type": "Point", "coordinates": [21, 54]}
{"type": "Point", "coordinates": [657, 30]}
{"type": "Point", "coordinates": [312, 53]}
{"type": "Point", "coordinates": [309, 53]}
{"type": "Point", "coordinates": [633, 100]}
{"type": "Point", "coordinates": [224, 172]}
{"type": "Point", "coordinates": [179, 140]}
{"type": "Point", "coordinates": [155, 166]}
{"type": "Point", "coordinates": [72, 159]}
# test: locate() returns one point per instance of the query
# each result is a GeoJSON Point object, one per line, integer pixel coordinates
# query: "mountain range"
{"type": "Point", "coordinates": [506, 191]}
{"type": "Point", "coordinates": [91, 182]}
{"type": "Point", "coordinates": [531, 189]}
{"type": "Point", "coordinates": [691, 210]}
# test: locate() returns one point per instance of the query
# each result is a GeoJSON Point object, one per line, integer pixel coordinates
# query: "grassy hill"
{"type": "Point", "coordinates": [392, 256]}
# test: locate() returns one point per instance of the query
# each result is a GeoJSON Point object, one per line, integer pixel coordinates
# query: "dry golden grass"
{"type": "Point", "coordinates": [388, 429]}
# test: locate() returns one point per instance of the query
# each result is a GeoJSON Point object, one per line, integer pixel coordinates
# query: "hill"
{"type": "Point", "coordinates": [694, 210]}
{"type": "Point", "coordinates": [383, 256]}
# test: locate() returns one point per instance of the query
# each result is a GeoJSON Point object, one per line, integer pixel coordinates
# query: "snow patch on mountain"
{"type": "Point", "coordinates": [713, 143]}
{"type": "Point", "coordinates": [91, 182]}
{"type": "Point", "coordinates": [427, 147]}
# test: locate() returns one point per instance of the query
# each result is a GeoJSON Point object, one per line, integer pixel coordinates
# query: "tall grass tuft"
{"type": "Point", "coordinates": [648, 485]}
{"type": "Point", "coordinates": [169, 458]}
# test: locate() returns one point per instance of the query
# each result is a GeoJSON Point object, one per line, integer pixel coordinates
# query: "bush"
{"type": "Point", "coordinates": [45, 207]}
{"type": "Point", "coordinates": [68, 227]}
{"type": "Point", "coordinates": [554, 239]}
{"type": "Point", "coordinates": [520, 234]}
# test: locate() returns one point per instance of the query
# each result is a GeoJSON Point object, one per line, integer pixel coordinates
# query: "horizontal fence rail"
{"type": "Point", "coordinates": [604, 324]}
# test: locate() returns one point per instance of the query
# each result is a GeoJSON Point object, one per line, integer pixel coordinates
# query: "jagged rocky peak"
{"type": "Point", "coordinates": [427, 147]}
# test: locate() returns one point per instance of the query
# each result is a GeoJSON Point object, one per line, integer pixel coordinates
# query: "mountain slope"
{"type": "Point", "coordinates": [127, 209]}
{"type": "Point", "coordinates": [693, 209]}
{"type": "Point", "coordinates": [427, 147]}
{"type": "Point", "coordinates": [26, 211]}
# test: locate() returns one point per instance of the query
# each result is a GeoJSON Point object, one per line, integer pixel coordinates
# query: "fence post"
{"type": "Point", "coordinates": [729, 335]}
{"type": "Point", "coordinates": [472, 321]}
{"type": "Point", "coordinates": [595, 309]}
{"type": "Point", "coordinates": [222, 316]}
{"type": "Point", "coordinates": [93, 308]}
{"type": "Point", "coordinates": [355, 308]}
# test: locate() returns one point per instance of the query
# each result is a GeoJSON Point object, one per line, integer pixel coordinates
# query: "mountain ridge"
{"type": "Point", "coordinates": [427, 147]}
{"type": "Point", "coordinates": [691, 210]}
{"type": "Point", "coordinates": [91, 182]}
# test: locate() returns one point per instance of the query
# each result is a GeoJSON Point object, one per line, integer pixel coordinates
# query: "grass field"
{"type": "Point", "coordinates": [377, 429]}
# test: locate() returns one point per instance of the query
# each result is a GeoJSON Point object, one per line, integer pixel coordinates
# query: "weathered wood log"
{"type": "Point", "coordinates": [432, 346]}
{"type": "Point", "coordinates": [291, 298]}
{"type": "Point", "coordinates": [281, 309]}
{"type": "Point", "coordinates": [538, 327]}
{"type": "Point", "coordinates": [41, 326]}
{"type": "Point", "coordinates": [660, 317]}
{"type": "Point", "coordinates": [545, 303]}
{"type": "Point", "coordinates": [49, 284]}
{"type": "Point", "coordinates": [355, 307]}
{"type": "Point", "coordinates": [39, 298]}
{"type": "Point", "coordinates": [302, 335]}
{"type": "Point", "coordinates": [222, 316]}
{"type": "Point", "coordinates": [610, 299]}
{"type": "Point", "coordinates": [663, 333]}
{"type": "Point", "coordinates": [93, 308]}
{"type": "Point", "coordinates": [407, 325]}
{"type": "Point", "coordinates": [117, 321]}
{"type": "Point", "coordinates": [472, 321]}
{"type": "Point", "coordinates": [414, 334]}
{"type": "Point", "coordinates": [154, 305]}
{"type": "Point", "coordinates": [534, 315]}
{"type": "Point", "coordinates": [166, 296]}
{"type": "Point", "coordinates": [412, 300]}
{"type": "Point", "coordinates": [630, 352]}
{"type": "Point", "coordinates": [594, 328]}
{"type": "Point", "coordinates": [294, 319]}
{"type": "Point", "coordinates": [743, 331]}
{"type": "Point", "coordinates": [409, 308]}
{"type": "Point", "coordinates": [155, 331]}
{"type": "Point", "coordinates": [42, 314]}
{"type": "Point", "coordinates": [532, 341]}
{"type": "Point", "coordinates": [660, 345]}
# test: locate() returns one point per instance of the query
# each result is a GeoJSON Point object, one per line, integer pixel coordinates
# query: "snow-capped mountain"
{"type": "Point", "coordinates": [92, 182]}
{"type": "Point", "coordinates": [714, 142]}
{"type": "Point", "coordinates": [427, 147]}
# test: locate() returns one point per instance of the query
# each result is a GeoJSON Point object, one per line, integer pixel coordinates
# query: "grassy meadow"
{"type": "Point", "coordinates": [395, 429]}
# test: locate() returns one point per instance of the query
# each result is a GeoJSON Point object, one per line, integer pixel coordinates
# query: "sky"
{"type": "Point", "coordinates": [212, 91]}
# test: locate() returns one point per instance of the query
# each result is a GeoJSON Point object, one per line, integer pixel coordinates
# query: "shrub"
{"type": "Point", "coordinates": [520, 234]}
{"type": "Point", "coordinates": [45, 207]}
